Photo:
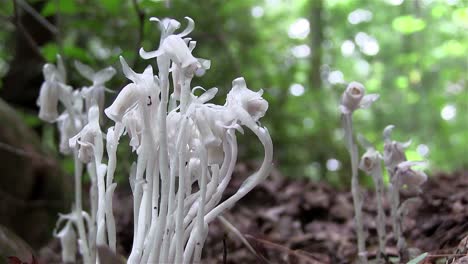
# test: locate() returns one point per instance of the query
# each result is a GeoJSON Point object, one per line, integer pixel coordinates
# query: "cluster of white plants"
{"type": "Point", "coordinates": [402, 175]}
{"type": "Point", "coordinates": [186, 151]}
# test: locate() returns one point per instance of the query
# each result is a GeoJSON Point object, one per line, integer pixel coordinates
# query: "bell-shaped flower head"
{"type": "Point", "coordinates": [177, 50]}
{"type": "Point", "coordinates": [67, 130]}
{"type": "Point", "coordinates": [394, 152]}
{"type": "Point", "coordinates": [250, 101]}
{"type": "Point", "coordinates": [133, 127]}
{"type": "Point", "coordinates": [410, 177]}
{"type": "Point", "coordinates": [370, 161]}
{"type": "Point", "coordinates": [354, 98]}
{"type": "Point", "coordinates": [89, 139]}
{"type": "Point", "coordinates": [50, 92]}
{"type": "Point", "coordinates": [142, 90]}
{"type": "Point", "coordinates": [168, 26]}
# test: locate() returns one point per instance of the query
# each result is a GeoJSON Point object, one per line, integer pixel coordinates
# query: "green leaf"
{"type": "Point", "coordinates": [49, 51]}
{"type": "Point", "coordinates": [418, 259]}
{"type": "Point", "coordinates": [68, 7]}
{"type": "Point", "coordinates": [408, 24]}
{"type": "Point", "coordinates": [112, 6]}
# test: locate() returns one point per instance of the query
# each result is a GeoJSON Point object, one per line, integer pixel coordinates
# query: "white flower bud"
{"type": "Point", "coordinates": [126, 99]}
{"type": "Point", "coordinates": [370, 161]}
{"type": "Point", "coordinates": [250, 101]}
{"type": "Point", "coordinates": [394, 152]}
{"type": "Point", "coordinates": [66, 131]}
{"type": "Point", "coordinates": [48, 102]}
{"type": "Point", "coordinates": [176, 49]}
{"type": "Point", "coordinates": [354, 98]}
{"type": "Point", "coordinates": [410, 177]}
{"type": "Point", "coordinates": [133, 126]}
{"type": "Point", "coordinates": [89, 138]}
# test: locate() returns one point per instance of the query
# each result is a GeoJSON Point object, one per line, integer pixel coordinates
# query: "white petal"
{"type": "Point", "coordinates": [128, 72]}
{"type": "Point", "coordinates": [85, 70]}
{"type": "Point", "coordinates": [151, 54]}
{"type": "Point", "coordinates": [103, 75]}
{"type": "Point", "coordinates": [367, 100]}
{"type": "Point", "coordinates": [387, 132]}
{"type": "Point", "coordinates": [189, 28]}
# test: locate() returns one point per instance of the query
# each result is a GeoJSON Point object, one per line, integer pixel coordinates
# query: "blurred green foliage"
{"type": "Point", "coordinates": [302, 53]}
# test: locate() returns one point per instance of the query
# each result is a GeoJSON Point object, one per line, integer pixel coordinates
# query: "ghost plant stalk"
{"type": "Point", "coordinates": [354, 98]}
{"type": "Point", "coordinates": [186, 151]}
{"type": "Point", "coordinates": [402, 176]}
{"type": "Point", "coordinates": [53, 91]}
{"type": "Point", "coordinates": [371, 163]}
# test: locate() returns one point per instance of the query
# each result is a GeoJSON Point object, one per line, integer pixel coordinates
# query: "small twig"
{"type": "Point", "coordinates": [24, 32]}
{"type": "Point", "coordinates": [58, 34]}
{"type": "Point", "coordinates": [230, 227]}
{"type": "Point", "coordinates": [18, 151]}
{"type": "Point", "coordinates": [49, 26]}
{"type": "Point", "coordinates": [141, 27]}
{"type": "Point", "coordinates": [284, 249]}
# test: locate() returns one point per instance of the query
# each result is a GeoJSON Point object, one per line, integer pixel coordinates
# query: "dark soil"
{"type": "Point", "coordinates": [297, 221]}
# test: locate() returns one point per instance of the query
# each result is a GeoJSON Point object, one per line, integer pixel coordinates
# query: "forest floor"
{"type": "Point", "coordinates": [298, 221]}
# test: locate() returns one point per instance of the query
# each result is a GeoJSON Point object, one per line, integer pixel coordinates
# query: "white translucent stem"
{"type": "Point", "coordinates": [182, 141]}
{"type": "Point", "coordinates": [141, 165]}
{"type": "Point", "coordinates": [101, 210]}
{"type": "Point", "coordinates": [203, 229]}
{"type": "Point", "coordinates": [110, 220]}
{"type": "Point", "coordinates": [396, 217]}
{"type": "Point", "coordinates": [253, 179]}
{"type": "Point", "coordinates": [109, 214]}
{"type": "Point", "coordinates": [357, 199]}
{"type": "Point", "coordinates": [170, 212]}
{"type": "Point", "coordinates": [78, 209]}
{"type": "Point", "coordinates": [199, 245]}
{"type": "Point", "coordinates": [163, 65]}
{"type": "Point", "coordinates": [149, 240]}
{"type": "Point", "coordinates": [92, 171]}
{"type": "Point", "coordinates": [137, 250]}
{"type": "Point", "coordinates": [215, 190]}
{"type": "Point", "coordinates": [184, 93]}
{"type": "Point", "coordinates": [379, 194]}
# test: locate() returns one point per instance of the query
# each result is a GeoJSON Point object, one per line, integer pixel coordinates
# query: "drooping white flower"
{"type": "Point", "coordinates": [370, 161]}
{"type": "Point", "coordinates": [66, 130]}
{"type": "Point", "coordinates": [142, 91]}
{"type": "Point", "coordinates": [250, 101]}
{"type": "Point", "coordinates": [354, 98]}
{"type": "Point", "coordinates": [51, 91]}
{"type": "Point", "coordinates": [133, 127]}
{"type": "Point", "coordinates": [89, 139]}
{"type": "Point", "coordinates": [394, 152]}
{"type": "Point", "coordinates": [410, 177]}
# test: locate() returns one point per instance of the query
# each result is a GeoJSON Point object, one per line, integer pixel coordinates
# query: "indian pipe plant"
{"type": "Point", "coordinates": [403, 178]}
{"type": "Point", "coordinates": [186, 150]}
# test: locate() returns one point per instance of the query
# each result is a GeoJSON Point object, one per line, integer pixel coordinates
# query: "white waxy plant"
{"type": "Point", "coordinates": [352, 99]}
{"type": "Point", "coordinates": [371, 164]}
{"type": "Point", "coordinates": [402, 177]}
{"type": "Point", "coordinates": [186, 150]}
